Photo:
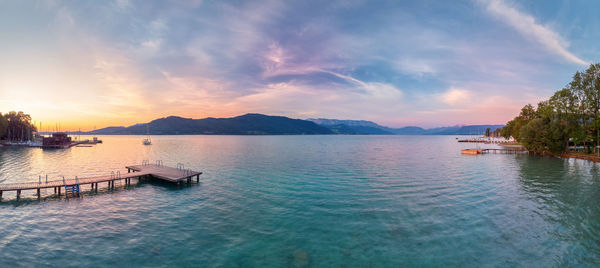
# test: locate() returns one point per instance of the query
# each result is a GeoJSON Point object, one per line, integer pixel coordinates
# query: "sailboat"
{"type": "Point", "coordinates": [147, 140]}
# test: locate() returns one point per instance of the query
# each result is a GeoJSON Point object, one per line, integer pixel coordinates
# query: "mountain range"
{"type": "Point", "coordinates": [259, 124]}
{"type": "Point", "coordinates": [368, 127]}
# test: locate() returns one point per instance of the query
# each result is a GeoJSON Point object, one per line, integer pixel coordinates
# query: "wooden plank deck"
{"type": "Point", "coordinates": [60, 183]}
{"type": "Point", "coordinates": [170, 174]}
{"type": "Point", "coordinates": [165, 173]}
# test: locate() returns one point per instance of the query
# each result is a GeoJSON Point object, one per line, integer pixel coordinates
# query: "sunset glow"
{"type": "Point", "coordinates": [99, 63]}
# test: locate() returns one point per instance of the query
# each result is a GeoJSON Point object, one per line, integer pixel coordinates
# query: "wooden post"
{"type": "Point", "coordinates": [197, 178]}
{"type": "Point", "coordinates": [58, 190]}
{"type": "Point", "coordinates": [18, 195]}
{"type": "Point", "coordinates": [0, 195]}
{"type": "Point", "coordinates": [128, 170]}
{"type": "Point", "coordinates": [39, 195]}
{"type": "Point", "coordinates": [54, 189]}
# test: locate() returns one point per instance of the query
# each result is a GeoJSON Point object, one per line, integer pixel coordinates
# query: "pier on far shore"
{"type": "Point", "coordinates": [72, 187]}
{"type": "Point", "coordinates": [494, 151]}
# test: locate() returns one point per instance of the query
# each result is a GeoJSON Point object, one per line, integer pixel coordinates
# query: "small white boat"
{"type": "Point", "coordinates": [147, 140]}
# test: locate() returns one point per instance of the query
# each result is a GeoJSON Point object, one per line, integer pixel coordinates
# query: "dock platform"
{"type": "Point", "coordinates": [176, 175]}
{"type": "Point", "coordinates": [494, 151]}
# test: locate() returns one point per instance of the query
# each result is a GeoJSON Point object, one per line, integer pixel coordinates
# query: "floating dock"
{"type": "Point", "coordinates": [471, 151]}
{"type": "Point", "coordinates": [177, 175]}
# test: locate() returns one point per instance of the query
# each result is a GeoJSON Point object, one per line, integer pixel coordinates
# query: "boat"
{"type": "Point", "coordinates": [147, 140]}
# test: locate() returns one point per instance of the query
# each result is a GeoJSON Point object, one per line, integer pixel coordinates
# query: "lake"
{"type": "Point", "coordinates": [305, 201]}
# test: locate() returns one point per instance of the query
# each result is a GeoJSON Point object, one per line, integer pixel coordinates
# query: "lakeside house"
{"type": "Point", "coordinates": [57, 140]}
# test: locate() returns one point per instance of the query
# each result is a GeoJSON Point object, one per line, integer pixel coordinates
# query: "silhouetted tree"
{"type": "Point", "coordinates": [3, 126]}
{"type": "Point", "coordinates": [19, 126]}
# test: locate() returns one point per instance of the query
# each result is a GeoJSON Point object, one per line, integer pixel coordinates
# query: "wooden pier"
{"type": "Point", "coordinates": [485, 141]}
{"type": "Point", "coordinates": [494, 151]}
{"type": "Point", "coordinates": [505, 151]}
{"type": "Point", "coordinates": [177, 175]}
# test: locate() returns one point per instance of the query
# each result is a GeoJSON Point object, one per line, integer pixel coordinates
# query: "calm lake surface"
{"type": "Point", "coordinates": [305, 201]}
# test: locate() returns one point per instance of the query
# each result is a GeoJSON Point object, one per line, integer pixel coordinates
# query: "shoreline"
{"type": "Point", "coordinates": [574, 155]}
{"type": "Point", "coordinates": [593, 158]}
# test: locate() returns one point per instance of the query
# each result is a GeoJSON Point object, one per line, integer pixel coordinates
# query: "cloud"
{"type": "Point", "coordinates": [415, 67]}
{"type": "Point", "coordinates": [371, 101]}
{"type": "Point", "coordinates": [527, 26]}
{"type": "Point", "coordinates": [395, 63]}
{"type": "Point", "coordinates": [456, 97]}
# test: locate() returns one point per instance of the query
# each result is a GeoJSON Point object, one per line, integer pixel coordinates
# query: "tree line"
{"type": "Point", "coordinates": [16, 126]}
{"type": "Point", "coordinates": [570, 119]}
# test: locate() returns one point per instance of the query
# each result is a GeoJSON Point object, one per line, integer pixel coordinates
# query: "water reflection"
{"type": "Point", "coordinates": [308, 200]}
{"type": "Point", "coordinates": [564, 194]}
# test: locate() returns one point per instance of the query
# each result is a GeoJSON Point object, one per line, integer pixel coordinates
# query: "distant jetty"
{"type": "Point", "coordinates": [494, 151]}
{"type": "Point", "coordinates": [486, 141]}
{"type": "Point", "coordinates": [58, 140]}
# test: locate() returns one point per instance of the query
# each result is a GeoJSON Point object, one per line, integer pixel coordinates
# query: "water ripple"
{"type": "Point", "coordinates": [305, 201]}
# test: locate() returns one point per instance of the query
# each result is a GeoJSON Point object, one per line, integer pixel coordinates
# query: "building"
{"type": "Point", "coordinates": [58, 140]}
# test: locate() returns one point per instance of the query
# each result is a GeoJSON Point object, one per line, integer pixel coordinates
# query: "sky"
{"type": "Point", "coordinates": [92, 64]}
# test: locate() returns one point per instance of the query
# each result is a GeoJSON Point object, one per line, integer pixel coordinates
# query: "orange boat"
{"type": "Point", "coordinates": [471, 151]}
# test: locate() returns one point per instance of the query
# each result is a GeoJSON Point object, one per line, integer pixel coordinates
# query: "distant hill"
{"type": "Point", "coordinates": [259, 124]}
{"type": "Point", "coordinates": [372, 128]}
{"type": "Point", "coordinates": [108, 130]}
{"type": "Point", "coordinates": [463, 130]}
{"type": "Point", "coordinates": [352, 126]}
{"type": "Point", "coordinates": [248, 124]}
{"type": "Point", "coordinates": [408, 131]}
{"type": "Point", "coordinates": [350, 123]}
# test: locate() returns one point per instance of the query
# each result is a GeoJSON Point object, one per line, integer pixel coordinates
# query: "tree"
{"type": "Point", "coordinates": [570, 116]}
{"type": "Point", "coordinates": [591, 87]}
{"type": "Point", "coordinates": [3, 126]}
{"type": "Point", "coordinates": [513, 127]}
{"type": "Point", "coordinates": [542, 135]}
{"type": "Point", "coordinates": [507, 130]}
{"type": "Point", "coordinates": [19, 126]}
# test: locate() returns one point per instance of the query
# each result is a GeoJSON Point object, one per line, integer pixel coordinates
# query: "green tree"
{"type": "Point", "coordinates": [542, 135]}
{"type": "Point", "coordinates": [564, 107]}
{"type": "Point", "coordinates": [507, 130]}
{"type": "Point", "coordinates": [571, 115]}
{"type": "Point", "coordinates": [591, 87]}
{"type": "Point", "coordinates": [513, 127]}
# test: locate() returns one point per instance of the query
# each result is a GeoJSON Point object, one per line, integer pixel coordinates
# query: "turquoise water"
{"type": "Point", "coordinates": [306, 201]}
